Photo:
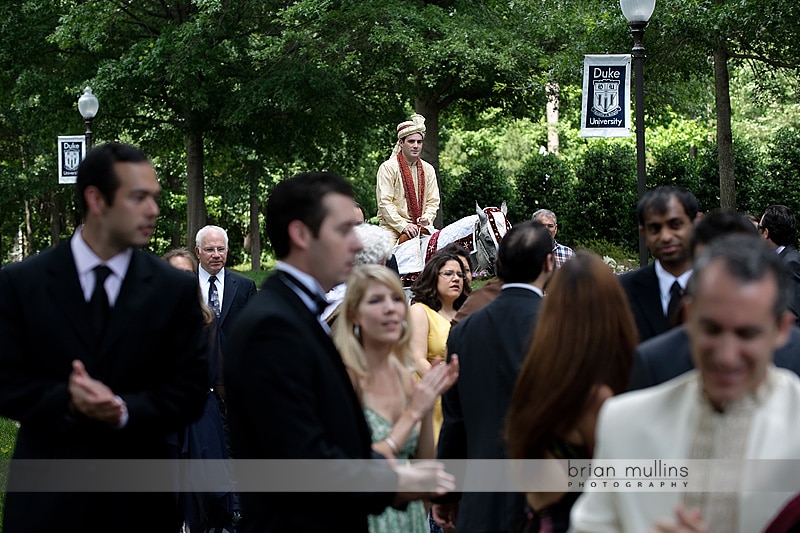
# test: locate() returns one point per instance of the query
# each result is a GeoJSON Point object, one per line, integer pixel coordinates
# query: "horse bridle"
{"type": "Point", "coordinates": [479, 245]}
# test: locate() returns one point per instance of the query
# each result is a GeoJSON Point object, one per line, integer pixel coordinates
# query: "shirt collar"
{"type": "Point", "coordinates": [86, 260]}
{"type": "Point", "coordinates": [306, 279]}
{"type": "Point", "coordinates": [750, 400]}
{"type": "Point", "coordinates": [527, 286]}
{"type": "Point", "coordinates": [665, 279]}
{"type": "Point", "coordinates": [203, 276]}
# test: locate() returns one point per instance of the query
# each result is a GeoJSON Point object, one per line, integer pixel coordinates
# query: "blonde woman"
{"type": "Point", "coordinates": [373, 337]}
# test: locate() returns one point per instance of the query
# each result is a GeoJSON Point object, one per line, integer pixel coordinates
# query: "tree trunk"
{"type": "Point", "coordinates": [28, 240]}
{"type": "Point", "coordinates": [552, 117]}
{"type": "Point", "coordinates": [177, 236]}
{"type": "Point", "coordinates": [727, 180]}
{"type": "Point", "coordinates": [196, 214]}
{"type": "Point", "coordinates": [255, 233]}
{"type": "Point", "coordinates": [55, 219]}
{"type": "Point", "coordinates": [429, 108]}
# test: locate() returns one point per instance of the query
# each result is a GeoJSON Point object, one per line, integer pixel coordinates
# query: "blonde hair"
{"type": "Point", "coordinates": [343, 330]}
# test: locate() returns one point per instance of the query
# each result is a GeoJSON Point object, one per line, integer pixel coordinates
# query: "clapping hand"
{"type": "Point", "coordinates": [436, 382]}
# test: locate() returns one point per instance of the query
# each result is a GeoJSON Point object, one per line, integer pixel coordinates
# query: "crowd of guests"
{"type": "Point", "coordinates": [693, 357]}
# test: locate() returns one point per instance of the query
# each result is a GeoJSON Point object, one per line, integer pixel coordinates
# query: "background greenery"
{"type": "Point", "coordinates": [228, 98]}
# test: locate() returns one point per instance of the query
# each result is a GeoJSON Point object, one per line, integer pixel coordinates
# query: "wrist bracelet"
{"type": "Point", "coordinates": [391, 444]}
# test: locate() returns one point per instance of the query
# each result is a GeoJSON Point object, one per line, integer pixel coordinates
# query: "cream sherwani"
{"type": "Point", "coordinates": [664, 422]}
{"type": "Point", "coordinates": [392, 208]}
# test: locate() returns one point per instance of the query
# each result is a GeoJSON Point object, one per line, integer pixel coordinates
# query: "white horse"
{"type": "Point", "coordinates": [480, 234]}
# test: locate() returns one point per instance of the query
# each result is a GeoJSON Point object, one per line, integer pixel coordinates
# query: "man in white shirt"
{"type": "Point", "coordinates": [407, 190]}
{"type": "Point", "coordinates": [228, 292]}
{"type": "Point", "coordinates": [736, 405]}
{"type": "Point", "coordinates": [103, 356]}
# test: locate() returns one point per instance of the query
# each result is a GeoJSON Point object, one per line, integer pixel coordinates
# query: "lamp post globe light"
{"type": "Point", "coordinates": [638, 13]}
{"type": "Point", "coordinates": [87, 107]}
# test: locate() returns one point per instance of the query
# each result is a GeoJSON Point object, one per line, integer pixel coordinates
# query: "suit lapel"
{"type": "Point", "coordinates": [325, 341]}
{"type": "Point", "coordinates": [649, 297]}
{"type": "Point", "coordinates": [231, 284]}
{"type": "Point", "coordinates": [135, 290]}
{"type": "Point", "coordinates": [65, 289]}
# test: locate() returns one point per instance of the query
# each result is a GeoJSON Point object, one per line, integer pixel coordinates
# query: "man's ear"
{"type": "Point", "coordinates": [549, 263]}
{"type": "Point", "coordinates": [299, 234]}
{"type": "Point", "coordinates": [785, 323]}
{"type": "Point", "coordinates": [95, 201]}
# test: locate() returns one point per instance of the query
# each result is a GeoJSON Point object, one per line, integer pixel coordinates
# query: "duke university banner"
{"type": "Point", "coordinates": [606, 107]}
{"type": "Point", "coordinates": [71, 151]}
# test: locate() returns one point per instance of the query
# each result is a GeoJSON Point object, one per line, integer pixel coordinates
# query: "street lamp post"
{"type": "Point", "coordinates": [87, 107]}
{"type": "Point", "coordinates": [638, 13]}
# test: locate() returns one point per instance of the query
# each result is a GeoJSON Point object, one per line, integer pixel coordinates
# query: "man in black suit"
{"type": "Point", "coordinates": [103, 356]}
{"type": "Point", "coordinates": [668, 355]}
{"type": "Point", "coordinates": [779, 227]}
{"type": "Point", "coordinates": [289, 394]}
{"type": "Point", "coordinates": [666, 215]}
{"type": "Point", "coordinates": [227, 293]}
{"type": "Point", "coordinates": [491, 345]}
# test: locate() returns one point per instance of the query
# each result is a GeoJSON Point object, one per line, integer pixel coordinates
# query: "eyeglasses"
{"type": "Point", "coordinates": [219, 250]}
{"type": "Point", "coordinates": [451, 274]}
{"type": "Point", "coordinates": [551, 226]}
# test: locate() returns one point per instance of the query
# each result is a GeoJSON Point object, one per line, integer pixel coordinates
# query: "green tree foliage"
{"type": "Point", "coordinates": [782, 185]}
{"type": "Point", "coordinates": [485, 183]}
{"type": "Point", "coordinates": [603, 203]}
{"type": "Point", "coordinates": [544, 182]}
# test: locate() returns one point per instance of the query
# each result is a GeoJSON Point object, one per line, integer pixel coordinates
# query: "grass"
{"type": "Point", "coordinates": [256, 275]}
{"type": "Point", "coordinates": [8, 436]}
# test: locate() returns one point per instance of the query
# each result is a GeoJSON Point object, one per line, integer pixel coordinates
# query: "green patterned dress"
{"type": "Point", "coordinates": [413, 519]}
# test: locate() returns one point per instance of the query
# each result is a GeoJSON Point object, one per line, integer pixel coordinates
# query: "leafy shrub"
{"type": "Point", "coordinates": [484, 182]}
{"type": "Point", "coordinates": [783, 170]}
{"type": "Point", "coordinates": [619, 258]}
{"type": "Point", "coordinates": [603, 203]}
{"type": "Point", "coordinates": [543, 182]}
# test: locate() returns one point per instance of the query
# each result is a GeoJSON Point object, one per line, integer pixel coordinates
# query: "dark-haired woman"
{"type": "Point", "coordinates": [580, 356]}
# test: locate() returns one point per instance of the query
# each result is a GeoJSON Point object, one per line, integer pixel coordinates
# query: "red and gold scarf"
{"type": "Point", "coordinates": [413, 201]}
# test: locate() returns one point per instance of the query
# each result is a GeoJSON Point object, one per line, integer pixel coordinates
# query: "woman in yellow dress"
{"type": "Point", "coordinates": [436, 296]}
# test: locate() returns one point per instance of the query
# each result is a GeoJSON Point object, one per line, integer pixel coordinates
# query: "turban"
{"type": "Point", "coordinates": [409, 127]}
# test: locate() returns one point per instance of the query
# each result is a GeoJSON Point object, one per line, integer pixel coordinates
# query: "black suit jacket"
{"type": "Point", "coordinates": [289, 397]}
{"type": "Point", "coordinates": [153, 356]}
{"type": "Point", "coordinates": [791, 257]}
{"type": "Point", "coordinates": [669, 355]}
{"type": "Point", "coordinates": [644, 297]}
{"type": "Point", "coordinates": [237, 293]}
{"type": "Point", "coordinates": [491, 345]}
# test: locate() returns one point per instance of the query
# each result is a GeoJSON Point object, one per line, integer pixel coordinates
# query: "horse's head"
{"type": "Point", "coordinates": [489, 229]}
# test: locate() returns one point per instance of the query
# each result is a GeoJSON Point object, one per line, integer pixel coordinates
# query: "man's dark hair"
{"type": "Point", "coordinates": [363, 211]}
{"type": "Point", "coordinates": [781, 223]}
{"type": "Point", "coordinates": [455, 248]}
{"type": "Point", "coordinates": [657, 200]}
{"type": "Point", "coordinates": [747, 258]}
{"type": "Point", "coordinates": [98, 170]}
{"type": "Point", "coordinates": [300, 198]}
{"type": "Point", "coordinates": [718, 223]}
{"type": "Point", "coordinates": [523, 251]}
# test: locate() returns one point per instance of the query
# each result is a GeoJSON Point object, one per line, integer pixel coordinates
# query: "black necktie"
{"type": "Point", "coordinates": [98, 305]}
{"type": "Point", "coordinates": [675, 296]}
{"type": "Point", "coordinates": [319, 301]}
{"type": "Point", "coordinates": [213, 295]}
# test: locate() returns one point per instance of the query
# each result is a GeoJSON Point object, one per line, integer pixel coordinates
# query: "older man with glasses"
{"type": "Point", "coordinates": [225, 291]}
{"type": "Point", "coordinates": [561, 253]}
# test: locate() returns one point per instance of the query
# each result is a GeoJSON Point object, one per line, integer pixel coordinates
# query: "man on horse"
{"type": "Point", "coordinates": [407, 191]}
